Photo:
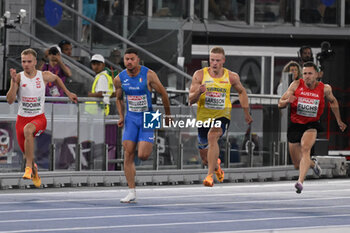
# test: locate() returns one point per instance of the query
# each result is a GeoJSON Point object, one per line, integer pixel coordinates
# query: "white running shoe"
{"type": "Point", "coordinates": [130, 198]}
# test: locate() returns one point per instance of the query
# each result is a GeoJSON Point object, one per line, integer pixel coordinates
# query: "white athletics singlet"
{"type": "Point", "coordinates": [31, 95]}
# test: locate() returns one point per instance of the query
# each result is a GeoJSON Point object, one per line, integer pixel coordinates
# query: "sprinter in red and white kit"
{"type": "Point", "coordinates": [307, 99]}
{"type": "Point", "coordinates": [29, 86]}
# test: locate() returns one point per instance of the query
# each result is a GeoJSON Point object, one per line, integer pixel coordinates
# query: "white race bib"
{"type": "Point", "coordinates": [307, 107]}
{"type": "Point", "coordinates": [31, 105]}
{"type": "Point", "coordinates": [137, 103]}
{"type": "Point", "coordinates": [215, 100]}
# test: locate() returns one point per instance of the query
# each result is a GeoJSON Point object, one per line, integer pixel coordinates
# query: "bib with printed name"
{"type": "Point", "coordinates": [309, 105]}
{"type": "Point", "coordinates": [138, 97]}
{"type": "Point", "coordinates": [215, 101]}
{"type": "Point", "coordinates": [137, 103]}
{"type": "Point", "coordinates": [31, 95]}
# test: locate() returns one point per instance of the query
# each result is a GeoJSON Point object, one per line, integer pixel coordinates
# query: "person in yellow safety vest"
{"type": "Point", "coordinates": [102, 86]}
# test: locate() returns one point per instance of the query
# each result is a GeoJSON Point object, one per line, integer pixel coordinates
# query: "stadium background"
{"type": "Point", "coordinates": [259, 37]}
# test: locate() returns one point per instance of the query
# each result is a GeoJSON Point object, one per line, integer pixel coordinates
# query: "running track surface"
{"type": "Point", "coordinates": [324, 206]}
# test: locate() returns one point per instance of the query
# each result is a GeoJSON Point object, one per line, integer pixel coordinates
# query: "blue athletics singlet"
{"type": "Point", "coordinates": [138, 101]}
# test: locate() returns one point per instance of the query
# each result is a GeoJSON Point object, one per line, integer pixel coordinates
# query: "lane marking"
{"type": "Point", "coordinates": [175, 224]}
{"type": "Point", "coordinates": [173, 205]}
{"type": "Point", "coordinates": [326, 228]}
{"type": "Point", "coordinates": [288, 192]}
{"type": "Point", "coordinates": [170, 214]}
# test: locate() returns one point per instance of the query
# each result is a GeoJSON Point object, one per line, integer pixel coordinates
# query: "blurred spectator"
{"type": "Point", "coordinates": [115, 56]}
{"type": "Point", "coordinates": [56, 66]}
{"type": "Point", "coordinates": [102, 86]}
{"type": "Point", "coordinates": [268, 10]}
{"type": "Point", "coordinates": [328, 11]}
{"type": "Point", "coordinates": [305, 54]}
{"type": "Point", "coordinates": [285, 10]}
{"type": "Point", "coordinates": [220, 9]}
{"type": "Point", "coordinates": [137, 7]}
{"type": "Point", "coordinates": [66, 47]}
{"type": "Point", "coordinates": [309, 12]}
{"type": "Point", "coordinates": [293, 68]}
{"type": "Point", "coordinates": [117, 16]}
{"type": "Point", "coordinates": [117, 7]}
{"type": "Point", "coordinates": [102, 17]}
{"type": "Point", "coordinates": [89, 10]}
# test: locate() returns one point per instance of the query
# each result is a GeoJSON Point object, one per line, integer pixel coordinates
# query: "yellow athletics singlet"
{"type": "Point", "coordinates": [215, 101]}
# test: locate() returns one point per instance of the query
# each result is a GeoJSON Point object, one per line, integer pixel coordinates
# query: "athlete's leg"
{"type": "Point", "coordinates": [295, 154]}
{"type": "Point", "coordinates": [28, 131]}
{"type": "Point", "coordinates": [204, 155]}
{"type": "Point", "coordinates": [129, 164]}
{"type": "Point", "coordinates": [307, 141]}
{"type": "Point", "coordinates": [203, 144]}
{"type": "Point", "coordinates": [213, 150]}
{"type": "Point", "coordinates": [144, 150]}
{"type": "Point", "coordinates": [20, 135]}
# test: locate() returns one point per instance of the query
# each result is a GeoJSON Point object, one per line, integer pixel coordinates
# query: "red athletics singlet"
{"type": "Point", "coordinates": [309, 105]}
{"type": "Point", "coordinates": [31, 100]}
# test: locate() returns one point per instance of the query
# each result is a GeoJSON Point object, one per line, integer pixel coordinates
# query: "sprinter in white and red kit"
{"type": "Point", "coordinates": [306, 97]}
{"type": "Point", "coordinates": [29, 86]}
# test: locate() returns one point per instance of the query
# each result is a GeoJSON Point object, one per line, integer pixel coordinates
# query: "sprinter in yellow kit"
{"type": "Point", "coordinates": [210, 89]}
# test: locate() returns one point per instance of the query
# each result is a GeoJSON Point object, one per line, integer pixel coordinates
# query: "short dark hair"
{"type": "Point", "coordinates": [63, 42]}
{"type": "Point", "coordinates": [54, 50]}
{"type": "Point", "coordinates": [131, 50]}
{"type": "Point", "coordinates": [310, 64]}
{"type": "Point", "coordinates": [302, 48]}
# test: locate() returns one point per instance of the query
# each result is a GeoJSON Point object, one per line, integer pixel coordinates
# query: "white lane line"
{"type": "Point", "coordinates": [297, 200]}
{"type": "Point", "coordinates": [309, 183]}
{"type": "Point", "coordinates": [326, 228]}
{"type": "Point", "coordinates": [172, 213]}
{"type": "Point", "coordinates": [175, 196]}
{"type": "Point", "coordinates": [254, 220]}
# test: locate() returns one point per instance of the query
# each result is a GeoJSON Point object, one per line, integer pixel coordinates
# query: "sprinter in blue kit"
{"type": "Point", "coordinates": [136, 82]}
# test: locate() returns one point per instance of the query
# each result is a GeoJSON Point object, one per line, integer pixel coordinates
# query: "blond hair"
{"type": "Point", "coordinates": [218, 50]}
{"type": "Point", "coordinates": [29, 51]}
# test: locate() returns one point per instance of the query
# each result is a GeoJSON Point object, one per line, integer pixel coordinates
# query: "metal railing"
{"type": "Point", "coordinates": [77, 140]}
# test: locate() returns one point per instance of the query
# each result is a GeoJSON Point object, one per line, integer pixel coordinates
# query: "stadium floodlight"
{"type": "Point", "coordinates": [7, 14]}
{"type": "Point", "coordinates": [21, 15]}
{"type": "Point", "coordinates": [8, 23]}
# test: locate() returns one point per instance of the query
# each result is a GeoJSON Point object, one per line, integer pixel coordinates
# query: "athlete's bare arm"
{"type": "Point", "coordinates": [288, 96]}
{"type": "Point", "coordinates": [50, 77]}
{"type": "Point", "coordinates": [119, 100]}
{"type": "Point", "coordinates": [334, 106]}
{"type": "Point", "coordinates": [242, 93]}
{"type": "Point", "coordinates": [154, 83]}
{"type": "Point", "coordinates": [197, 88]}
{"type": "Point", "coordinates": [15, 81]}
